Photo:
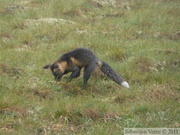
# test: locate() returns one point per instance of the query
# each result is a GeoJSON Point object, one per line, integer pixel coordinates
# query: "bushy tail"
{"type": "Point", "coordinates": [107, 70]}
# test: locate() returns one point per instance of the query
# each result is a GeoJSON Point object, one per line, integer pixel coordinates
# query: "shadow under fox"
{"type": "Point", "coordinates": [79, 58]}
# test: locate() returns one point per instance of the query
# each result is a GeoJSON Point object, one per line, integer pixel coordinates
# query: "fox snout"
{"type": "Point", "coordinates": [57, 76]}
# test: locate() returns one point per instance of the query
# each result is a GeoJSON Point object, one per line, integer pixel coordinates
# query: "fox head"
{"type": "Point", "coordinates": [56, 70]}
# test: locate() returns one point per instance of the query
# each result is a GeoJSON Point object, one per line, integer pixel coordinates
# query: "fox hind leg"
{"type": "Point", "coordinates": [88, 70]}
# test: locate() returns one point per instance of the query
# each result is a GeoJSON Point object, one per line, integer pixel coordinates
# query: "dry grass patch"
{"type": "Point", "coordinates": [95, 114]}
{"type": "Point", "coordinates": [79, 117]}
{"type": "Point", "coordinates": [10, 71]}
{"type": "Point", "coordinates": [14, 110]}
{"type": "Point", "coordinates": [121, 99]}
{"type": "Point", "coordinates": [162, 92]}
{"type": "Point", "coordinates": [43, 94]}
{"type": "Point", "coordinates": [144, 64]}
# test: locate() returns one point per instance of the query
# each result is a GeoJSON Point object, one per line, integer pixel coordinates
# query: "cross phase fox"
{"type": "Point", "coordinates": [79, 58]}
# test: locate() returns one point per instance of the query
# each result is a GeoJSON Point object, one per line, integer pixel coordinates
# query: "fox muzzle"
{"type": "Point", "coordinates": [57, 76]}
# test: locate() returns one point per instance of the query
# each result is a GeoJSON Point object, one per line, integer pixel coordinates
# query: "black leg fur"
{"type": "Point", "coordinates": [74, 74]}
{"type": "Point", "coordinates": [88, 71]}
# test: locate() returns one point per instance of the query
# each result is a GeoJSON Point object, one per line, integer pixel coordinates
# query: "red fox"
{"type": "Point", "coordinates": [79, 58]}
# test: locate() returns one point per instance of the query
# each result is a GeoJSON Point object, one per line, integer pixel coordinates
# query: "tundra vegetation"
{"type": "Point", "coordinates": [140, 39]}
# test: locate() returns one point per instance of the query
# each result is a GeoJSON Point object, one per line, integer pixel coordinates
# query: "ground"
{"type": "Point", "coordinates": [138, 39]}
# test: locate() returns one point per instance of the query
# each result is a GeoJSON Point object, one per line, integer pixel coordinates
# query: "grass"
{"type": "Point", "coordinates": [139, 39]}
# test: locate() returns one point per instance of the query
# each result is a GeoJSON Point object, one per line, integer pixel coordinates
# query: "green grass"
{"type": "Point", "coordinates": [139, 39]}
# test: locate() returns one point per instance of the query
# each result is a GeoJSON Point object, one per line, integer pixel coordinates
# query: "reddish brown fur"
{"type": "Point", "coordinates": [76, 62]}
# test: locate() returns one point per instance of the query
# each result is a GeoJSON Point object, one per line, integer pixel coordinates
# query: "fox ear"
{"type": "Point", "coordinates": [47, 66]}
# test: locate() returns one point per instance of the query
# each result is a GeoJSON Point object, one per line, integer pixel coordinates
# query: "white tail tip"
{"type": "Point", "coordinates": [125, 84]}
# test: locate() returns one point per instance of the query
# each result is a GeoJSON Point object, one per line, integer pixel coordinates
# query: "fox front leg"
{"type": "Point", "coordinates": [74, 74]}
